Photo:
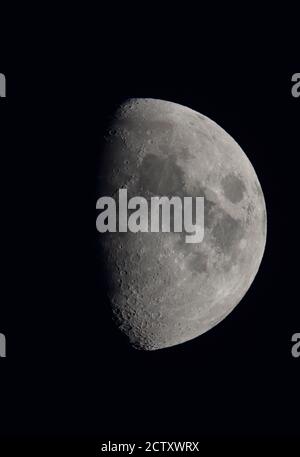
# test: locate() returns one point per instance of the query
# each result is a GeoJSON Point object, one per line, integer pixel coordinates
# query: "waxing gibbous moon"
{"type": "Point", "coordinates": [162, 290]}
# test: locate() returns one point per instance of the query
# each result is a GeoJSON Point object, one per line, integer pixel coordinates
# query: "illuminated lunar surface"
{"type": "Point", "coordinates": [162, 290]}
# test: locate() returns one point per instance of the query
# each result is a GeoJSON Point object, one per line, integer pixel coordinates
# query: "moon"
{"type": "Point", "coordinates": [162, 290]}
